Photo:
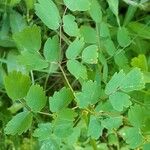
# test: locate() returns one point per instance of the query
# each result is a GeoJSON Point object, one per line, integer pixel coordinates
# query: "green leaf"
{"type": "Point", "coordinates": [95, 128]}
{"type": "Point", "coordinates": [89, 34]}
{"type": "Point", "coordinates": [17, 85]}
{"type": "Point", "coordinates": [45, 11]}
{"type": "Point", "coordinates": [32, 61]}
{"type": "Point", "coordinates": [75, 48]}
{"type": "Point", "coordinates": [50, 144]}
{"type": "Point", "coordinates": [113, 5]}
{"type": "Point", "coordinates": [60, 99]}
{"type": "Point", "coordinates": [136, 116]}
{"type": "Point", "coordinates": [43, 131]}
{"type": "Point", "coordinates": [140, 62]}
{"type": "Point", "coordinates": [36, 98]}
{"type": "Point", "coordinates": [121, 59]}
{"type": "Point", "coordinates": [142, 30]}
{"type": "Point", "coordinates": [115, 82]}
{"type": "Point", "coordinates": [134, 80]}
{"type": "Point", "coordinates": [14, 2]}
{"type": "Point", "coordinates": [19, 123]}
{"type": "Point", "coordinates": [110, 47]}
{"type": "Point", "coordinates": [90, 94]}
{"type": "Point", "coordinates": [70, 26]}
{"type": "Point", "coordinates": [95, 11]}
{"type": "Point", "coordinates": [81, 72]}
{"type": "Point", "coordinates": [28, 39]}
{"type": "Point", "coordinates": [129, 135]}
{"type": "Point", "coordinates": [17, 22]}
{"type": "Point", "coordinates": [63, 124]}
{"type": "Point", "coordinates": [119, 100]}
{"type": "Point", "coordinates": [123, 37]}
{"type": "Point", "coordinates": [146, 146]}
{"type": "Point", "coordinates": [90, 54]}
{"type": "Point", "coordinates": [78, 5]}
{"type": "Point", "coordinates": [51, 49]}
{"type": "Point", "coordinates": [112, 123]}
{"type": "Point", "coordinates": [104, 30]}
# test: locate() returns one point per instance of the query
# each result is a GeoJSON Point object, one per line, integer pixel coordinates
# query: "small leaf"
{"type": "Point", "coordinates": [17, 22]}
{"type": "Point", "coordinates": [119, 100]}
{"type": "Point", "coordinates": [90, 54]}
{"type": "Point", "coordinates": [75, 48]}
{"type": "Point", "coordinates": [134, 80]}
{"type": "Point", "coordinates": [141, 30]}
{"type": "Point", "coordinates": [89, 34]}
{"type": "Point", "coordinates": [60, 99]}
{"type": "Point", "coordinates": [123, 37]}
{"type": "Point", "coordinates": [113, 5]}
{"type": "Point", "coordinates": [45, 11]}
{"type": "Point", "coordinates": [137, 115]}
{"type": "Point", "coordinates": [77, 5]}
{"type": "Point", "coordinates": [70, 26]}
{"type": "Point", "coordinates": [95, 11]}
{"type": "Point", "coordinates": [104, 30]}
{"type": "Point", "coordinates": [51, 49]}
{"type": "Point", "coordinates": [43, 131]}
{"type": "Point", "coordinates": [36, 98]}
{"type": "Point", "coordinates": [50, 144]}
{"type": "Point", "coordinates": [114, 83]}
{"type": "Point", "coordinates": [63, 124]}
{"type": "Point", "coordinates": [17, 85]}
{"type": "Point", "coordinates": [81, 72]}
{"type": "Point", "coordinates": [95, 128]}
{"type": "Point", "coordinates": [110, 47]}
{"type": "Point", "coordinates": [129, 135]}
{"type": "Point", "coordinates": [90, 94]}
{"type": "Point", "coordinates": [112, 123]}
{"type": "Point", "coordinates": [140, 62]}
{"type": "Point", "coordinates": [19, 123]}
{"type": "Point", "coordinates": [28, 39]}
{"type": "Point", "coordinates": [32, 61]}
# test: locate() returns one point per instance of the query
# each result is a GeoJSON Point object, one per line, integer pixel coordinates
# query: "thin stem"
{"type": "Point", "coordinates": [66, 79]}
{"type": "Point", "coordinates": [32, 77]}
{"type": "Point", "coordinates": [44, 113]}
